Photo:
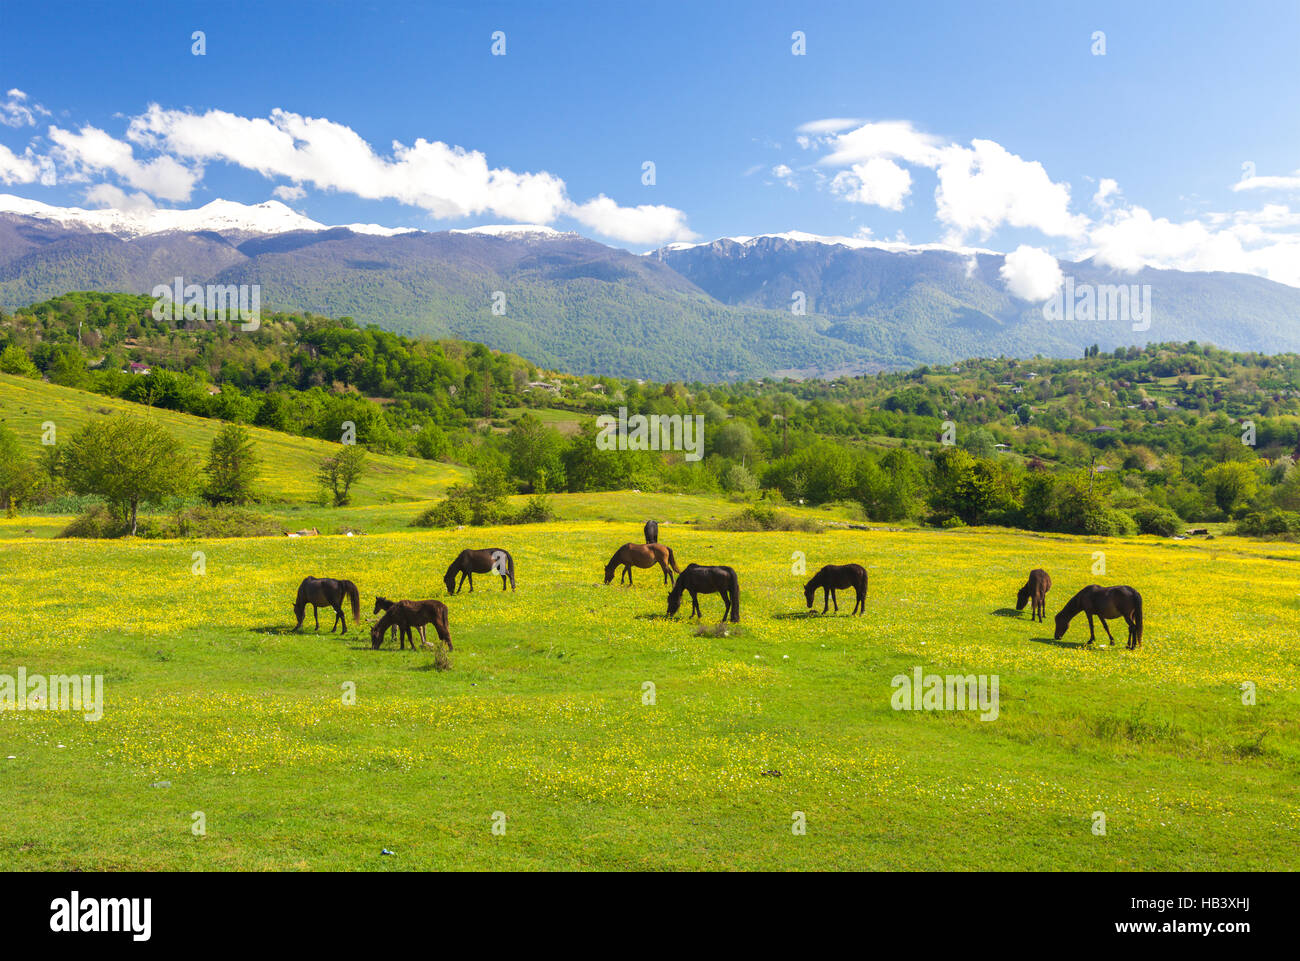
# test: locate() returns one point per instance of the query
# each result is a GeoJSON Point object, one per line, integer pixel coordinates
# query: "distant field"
{"type": "Point", "coordinates": [288, 463]}
{"type": "Point", "coordinates": [213, 707]}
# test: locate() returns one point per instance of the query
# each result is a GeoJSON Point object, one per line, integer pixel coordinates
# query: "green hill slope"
{"type": "Point", "coordinates": [288, 469]}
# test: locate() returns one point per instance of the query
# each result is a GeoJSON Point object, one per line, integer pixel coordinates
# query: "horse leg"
{"type": "Point", "coordinates": [726, 605]}
{"type": "Point", "coordinates": [695, 606]}
{"type": "Point", "coordinates": [826, 599]}
{"type": "Point", "coordinates": [629, 576]}
{"type": "Point", "coordinates": [315, 612]}
{"type": "Point", "coordinates": [1092, 633]}
{"type": "Point", "coordinates": [1107, 630]}
{"type": "Point", "coordinates": [424, 639]}
{"type": "Point", "coordinates": [834, 601]}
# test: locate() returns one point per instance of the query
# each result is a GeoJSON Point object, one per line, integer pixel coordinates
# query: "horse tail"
{"type": "Point", "coordinates": [1137, 617]}
{"type": "Point", "coordinates": [735, 596]}
{"type": "Point", "coordinates": [355, 597]}
{"type": "Point", "coordinates": [440, 624]}
{"type": "Point", "coordinates": [510, 566]}
{"type": "Point", "coordinates": [672, 562]}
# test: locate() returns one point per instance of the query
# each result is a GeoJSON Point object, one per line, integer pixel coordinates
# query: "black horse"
{"type": "Point", "coordinates": [835, 577]}
{"type": "Point", "coordinates": [1105, 603]}
{"type": "Point", "coordinates": [325, 591]}
{"type": "Point", "coordinates": [485, 560]}
{"type": "Point", "coordinates": [707, 580]}
{"type": "Point", "coordinates": [1035, 589]}
{"type": "Point", "coordinates": [652, 532]}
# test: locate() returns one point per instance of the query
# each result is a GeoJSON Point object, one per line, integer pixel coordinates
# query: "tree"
{"type": "Point", "coordinates": [14, 360]}
{"type": "Point", "coordinates": [128, 461]}
{"type": "Point", "coordinates": [337, 474]}
{"type": "Point", "coordinates": [16, 475]}
{"type": "Point", "coordinates": [231, 468]}
{"type": "Point", "coordinates": [534, 450]}
{"type": "Point", "coordinates": [1229, 484]}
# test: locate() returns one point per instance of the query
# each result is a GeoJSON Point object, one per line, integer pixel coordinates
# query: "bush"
{"type": "Point", "coordinates": [537, 510]}
{"type": "Point", "coordinates": [1159, 521]}
{"type": "Point", "coordinates": [217, 522]}
{"type": "Point", "coordinates": [760, 518]}
{"type": "Point", "coordinates": [1274, 523]}
{"type": "Point", "coordinates": [97, 522]}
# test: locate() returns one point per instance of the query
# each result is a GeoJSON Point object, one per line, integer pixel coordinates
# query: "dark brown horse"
{"type": "Point", "coordinates": [383, 604]}
{"type": "Point", "coordinates": [1105, 603]}
{"type": "Point", "coordinates": [482, 561]}
{"type": "Point", "coordinates": [707, 580]}
{"type": "Point", "coordinates": [1040, 582]}
{"type": "Point", "coordinates": [834, 577]}
{"type": "Point", "coordinates": [652, 532]}
{"type": "Point", "coordinates": [326, 592]}
{"type": "Point", "coordinates": [641, 555]}
{"type": "Point", "coordinates": [412, 614]}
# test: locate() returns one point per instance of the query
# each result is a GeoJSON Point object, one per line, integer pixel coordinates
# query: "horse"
{"type": "Point", "coordinates": [707, 580]}
{"type": "Point", "coordinates": [383, 604]}
{"type": "Point", "coordinates": [642, 555]}
{"type": "Point", "coordinates": [1105, 603]}
{"type": "Point", "coordinates": [481, 561]}
{"type": "Point", "coordinates": [835, 577]}
{"type": "Point", "coordinates": [318, 591]}
{"type": "Point", "coordinates": [1035, 589]}
{"type": "Point", "coordinates": [652, 532]}
{"type": "Point", "coordinates": [412, 614]}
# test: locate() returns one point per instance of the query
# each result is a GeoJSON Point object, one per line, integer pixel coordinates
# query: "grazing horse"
{"type": "Point", "coordinates": [642, 555]}
{"type": "Point", "coordinates": [482, 561]}
{"type": "Point", "coordinates": [707, 580]}
{"type": "Point", "coordinates": [412, 614]}
{"type": "Point", "coordinates": [326, 591]}
{"type": "Point", "coordinates": [652, 532]}
{"type": "Point", "coordinates": [383, 604]}
{"type": "Point", "coordinates": [834, 577]}
{"type": "Point", "coordinates": [1039, 583]}
{"type": "Point", "coordinates": [1105, 603]}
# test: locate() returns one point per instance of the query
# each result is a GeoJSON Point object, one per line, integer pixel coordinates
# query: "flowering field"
{"type": "Point", "coordinates": [542, 726]}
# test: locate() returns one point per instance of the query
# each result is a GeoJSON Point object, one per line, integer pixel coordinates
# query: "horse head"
{"type": "Point", "coordinates": [377, 633]}
{"type": "Point", "coordinates": [1022, 598]}
{"type": "Point", "coordinates": [809, 591]}
{"type": "Point", "coordinates": [450, 580]}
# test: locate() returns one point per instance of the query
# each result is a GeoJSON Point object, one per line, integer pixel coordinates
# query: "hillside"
{"type": "Point", "coordinates": [288, 462]}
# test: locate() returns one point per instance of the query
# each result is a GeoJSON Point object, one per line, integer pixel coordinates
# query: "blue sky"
{"type": "Point", "coordinates": [1005, 106]}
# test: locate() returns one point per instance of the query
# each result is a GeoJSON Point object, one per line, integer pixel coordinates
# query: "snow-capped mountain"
{"type": "Point", "coordinates": [219, 216]}
{"type": "Point", "coordinates": [789, 302]}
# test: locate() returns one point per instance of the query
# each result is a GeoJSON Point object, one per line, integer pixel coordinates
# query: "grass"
{"type": "Point", "coordinates": [288, 463]}
{"type": "Point", "coordinates": [213, 706]}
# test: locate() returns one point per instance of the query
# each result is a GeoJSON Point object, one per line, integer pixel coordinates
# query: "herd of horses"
{"type": "Point", "coordinates": [402, 617]}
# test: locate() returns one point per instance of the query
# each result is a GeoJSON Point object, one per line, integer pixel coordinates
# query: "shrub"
{"type": "Point", "coordinates": [99, 521]}
{"type": "Point", "coordinates": [1274, 523]}
{"type": "Point", "coordinates": [759, 518]}
{"type": "Point", "coordinates": [1157, 520]}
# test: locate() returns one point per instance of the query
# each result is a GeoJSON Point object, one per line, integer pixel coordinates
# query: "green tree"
{"type": "Point", "coordinates": [16, 475]}
{"type": "Point", "coordinates": [337, 474]}
{"type": "Point", "coordinates": [1230, 484]}
{"type": "Point", "coordinates": [14, 360]}
{"type": "Point", "coordinates": [128, 461]}
{"type": "Point", "coordinates": [232, 467]}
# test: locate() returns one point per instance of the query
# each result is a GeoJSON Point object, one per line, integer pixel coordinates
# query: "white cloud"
{"type": "Point", "coordinates": [1030, 273]}
{"type": "Point", "coordinates": [1105, 190]}
{"type": "Point", "coordinates": [878, 181]}
{"type": "Point", "coordinates": [91, 152]}
{"type": "Point", "coordinates": [644, 224]}
{"type": "Point", "coordinates": [981, 187]}
{"type": "Point", "coordinates": [829, 125]}
{"type": "Point", "coordinates": [15, 111]}
{"type": "Point", "coordinates": [115, 198]}
{"type": "Point", "coordinates": [15, 169]}
{"type": "Point", "coordinates": [1268, 183]}
{"type": "Point", "coordinates": [445, 180]}
{"type": "Point", "coordinates": [289, 192]}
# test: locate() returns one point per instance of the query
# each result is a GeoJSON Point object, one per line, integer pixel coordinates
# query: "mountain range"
{"type": "Point", "coordinates": [710, 311]}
